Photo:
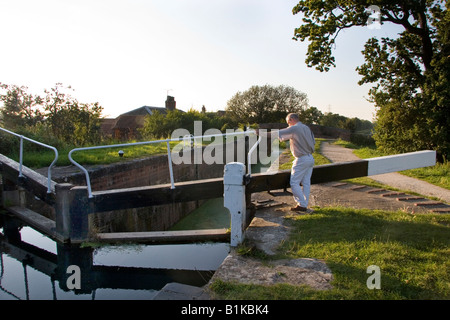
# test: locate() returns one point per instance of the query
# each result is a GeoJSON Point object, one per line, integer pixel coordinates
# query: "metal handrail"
{"type": "Point", "coordinates": [49, 175]}
{"type": "Point", "coordinates": [86, 173]}
{"type": "Point", "coordinates": [249, 155]}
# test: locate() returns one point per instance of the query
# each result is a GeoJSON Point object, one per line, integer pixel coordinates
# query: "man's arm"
{"type": "Point", "coordinates": [280, 134]}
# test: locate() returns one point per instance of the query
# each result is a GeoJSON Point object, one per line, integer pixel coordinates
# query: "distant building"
{"type": "Point", "coordinates": [125, 127]}
{"type": "Point", "coordinates": [171, 104]}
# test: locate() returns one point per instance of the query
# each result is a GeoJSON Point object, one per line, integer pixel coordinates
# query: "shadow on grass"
{"type": "Point", "coordinates": [411, 251]}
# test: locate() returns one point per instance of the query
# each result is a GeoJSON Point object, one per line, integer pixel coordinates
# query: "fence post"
{"type": "Point", "coordinates": [72, 210]}
{"type": "Point", "coordinates": [234, 199]}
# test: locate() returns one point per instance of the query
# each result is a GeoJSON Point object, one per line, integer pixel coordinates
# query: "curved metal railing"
{"type": "Point", "coordinates": [86, 173]}
{"type": "Point", "coordinates": [49, 174]}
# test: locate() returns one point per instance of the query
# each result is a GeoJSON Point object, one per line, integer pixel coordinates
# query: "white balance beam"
{"type": "Point", "coordinates": [400, 162]}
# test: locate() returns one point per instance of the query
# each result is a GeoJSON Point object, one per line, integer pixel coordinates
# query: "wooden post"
{"type": "Point", "coordinates": [11, 194]}
{"type": "Point", "coordinates": [72, 210]}
{"type": "Point", "coordinates": [234, 200]}
{"type": "Point", "coordinates": [62, 210]}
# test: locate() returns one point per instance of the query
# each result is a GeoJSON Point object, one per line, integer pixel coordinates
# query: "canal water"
{"type": "Point", "coordinates": [212, 214]}
{"type": "Point", "coordinates": [34, 267]}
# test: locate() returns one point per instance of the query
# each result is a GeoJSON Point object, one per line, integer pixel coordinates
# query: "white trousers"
{"type": "Point", "coordinates": [301, 174]}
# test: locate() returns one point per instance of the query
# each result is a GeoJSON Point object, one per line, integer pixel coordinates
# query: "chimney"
{"type": "Point", "coordinates": [170, 103]}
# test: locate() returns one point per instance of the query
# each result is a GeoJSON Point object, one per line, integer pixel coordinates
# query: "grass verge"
{"type": "Point", "coordinates": [412, 252]}
{"type": "Point", "coordinates": [33, 159]}
{"type": "Point", "coordinates": [438, 174]}
{"type": "Point", "coordinates": [318, 158]}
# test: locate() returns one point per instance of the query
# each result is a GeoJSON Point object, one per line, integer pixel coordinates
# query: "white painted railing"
{"type": "Point", "coordinates": [249, 155]}
{"type": "Point", "coordinates": [167, 141]}
{"type": "Point", "coordinates": [49, 175]}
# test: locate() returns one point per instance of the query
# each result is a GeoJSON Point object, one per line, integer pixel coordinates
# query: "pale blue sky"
{"type": "Point", "coordinates": [126, 54]}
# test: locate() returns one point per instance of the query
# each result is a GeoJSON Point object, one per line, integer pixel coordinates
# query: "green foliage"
{"type": "Point", "coordinates": [411, 72]}
{"type": "Point", "coordinates": [158, 126]}
{"type": "Point", "coordinates": [56, 119]}
{"type": "Point", "coordinates": [311, 115]}
{"type": "Point", "coordinates": [20, 109]}
{"type": "Point", "coordinates": [265, 104]}
{"type": "Point", "coordinates": [71, 121]}
{"type": "Point", "coordinates": [362, 139]}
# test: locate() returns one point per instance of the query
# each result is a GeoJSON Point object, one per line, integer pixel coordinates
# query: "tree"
{"type": "Point", "coordinates": [262, 104]}
{"type": "Point", "coordinates": [311, 115]}
{"type": "Point", "coordinates": [20, 109]}
{"type": "Point", "coordinates": [335, 120]}
{"type": "Point", "coordinates": [158, 125]}
{"type": "Point", "coordinates": [70, 121]}
{"type": "Point", "coordinates": [410, 72]}
{"type": "Point", "coordinates": [57, 118]}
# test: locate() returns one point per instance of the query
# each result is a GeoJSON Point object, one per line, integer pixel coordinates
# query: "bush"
{"type": "Point", "coordinates": [362, 140]}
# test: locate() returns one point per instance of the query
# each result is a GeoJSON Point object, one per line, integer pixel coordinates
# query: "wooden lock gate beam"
{"type": "Point", "coordinates": [213, 188]}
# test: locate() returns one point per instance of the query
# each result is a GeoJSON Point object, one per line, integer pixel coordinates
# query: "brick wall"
{"type": "Point", "coordinates": [143, 172]}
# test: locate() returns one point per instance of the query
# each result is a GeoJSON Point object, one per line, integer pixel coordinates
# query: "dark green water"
{"type": "Point", "coordinates": [34, 267]}
{"type": "Point", "coordinates": [211, 215]}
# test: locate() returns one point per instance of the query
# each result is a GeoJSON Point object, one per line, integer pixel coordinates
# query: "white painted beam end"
{"type": "Point", "coordinates": [400, 162]}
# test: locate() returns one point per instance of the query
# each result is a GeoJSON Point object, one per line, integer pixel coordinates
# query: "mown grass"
{"type": "Point", "coordinates": [318, 158]}
{"type": "Point", "coordinates": [39, 159]}
{"type": "Point", "coordinates": [412, 252]}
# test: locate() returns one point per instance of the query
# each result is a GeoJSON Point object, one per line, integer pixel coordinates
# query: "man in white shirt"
{"type": "Point", "coordinates": [301, 141]}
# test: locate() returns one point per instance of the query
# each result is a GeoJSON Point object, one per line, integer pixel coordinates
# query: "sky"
{"type": "Point", "coordinates": [125, 54]}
